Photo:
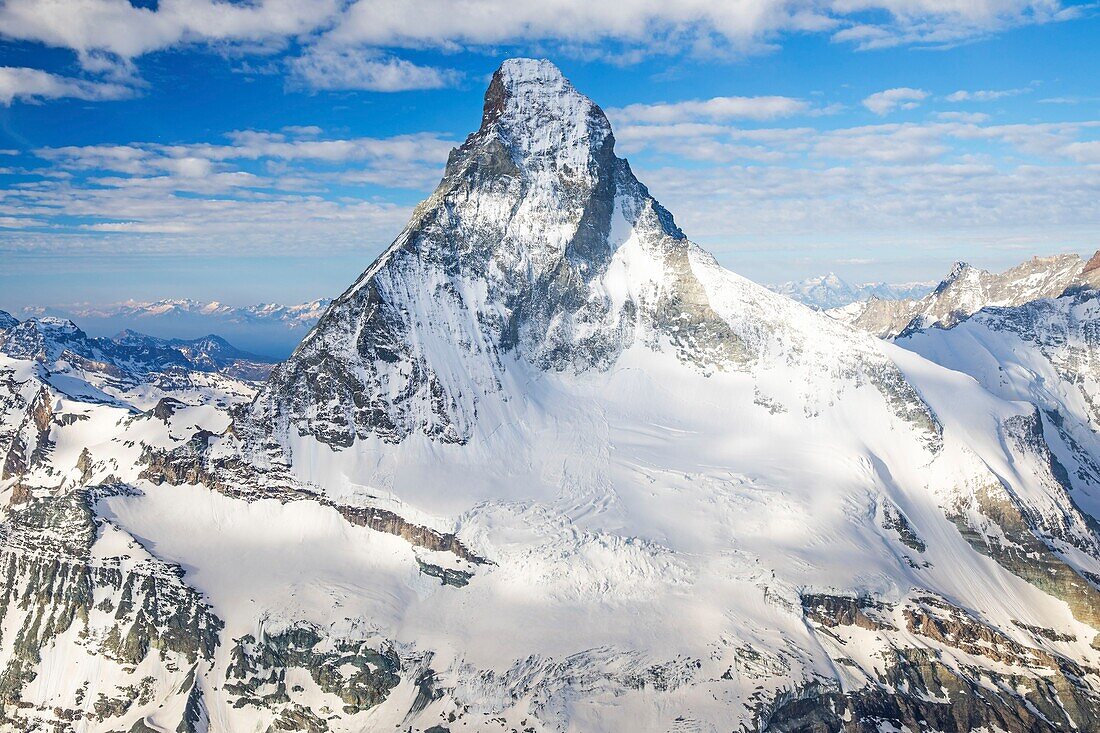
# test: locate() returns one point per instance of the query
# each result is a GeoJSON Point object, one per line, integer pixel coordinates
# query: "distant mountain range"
{"type": "Point", "coordinates": [267, 328]}
{"type": "Point", "coordinates": [128, 356]}
{"type": "Point", "coordinates": [832, 291]}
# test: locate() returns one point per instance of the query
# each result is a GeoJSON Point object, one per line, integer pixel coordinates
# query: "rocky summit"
{"type": "Point", "coordinates": [545, 466]}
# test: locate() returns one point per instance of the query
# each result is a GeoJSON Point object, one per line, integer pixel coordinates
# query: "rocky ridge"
{"type": "Point", "coordinates": [966, 290]}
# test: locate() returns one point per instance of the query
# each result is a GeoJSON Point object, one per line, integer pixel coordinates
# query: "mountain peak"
{"type": "Point", "coordinates": [541, 118]}
{"type": "Point", "coordinates": [7, 320]}
{"type": "Point", "coordinates": [1092, 264]}
{"type": "Point", "coordinates": [958, 269]}
{"type": "Point", "coordinates": [516, 72]}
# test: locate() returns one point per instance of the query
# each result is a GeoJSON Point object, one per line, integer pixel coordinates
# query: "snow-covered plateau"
{"type": "Point", "coordinates": [546, 466]}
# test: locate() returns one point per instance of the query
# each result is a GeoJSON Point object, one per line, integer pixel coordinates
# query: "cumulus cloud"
{"type": "Point", "coordinates": [705, 26]}
{"type": "Point", "coordinates": [886, 101]}
{"type": "Point", "coordinates": [33, 84]}
{"type": "Point", "coordinates": [102, 32]}
{"type": "Point", "coordinates": [716, 108]}
{"type": "Point", "coordinates": [329, 67]}
{"type": "Point", "coordinates": [1085, 152]}
{"type": "Point", "coordinates": [125, 30]}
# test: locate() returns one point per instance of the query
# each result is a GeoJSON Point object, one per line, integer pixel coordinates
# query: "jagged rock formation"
{"type": "Point", "coordinates": [215, 354]}
{"type": "Point", "coordinates": [966, 290]}
{"type": "Point", "coordinates": [80, 594]}
{"type": "Point", "coordinates": [546, 466]}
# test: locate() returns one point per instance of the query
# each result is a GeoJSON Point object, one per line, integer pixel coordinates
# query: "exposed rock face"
{"type": "Point", "coordinates": [215, 354]}
{"type": "Point", "coordinates": [257, 673]}
{"type": "Point", "coordinates": [965, 291]}
{"type": "Point", "coordinates": [63, 602]}
{"type": "Point", "coordinates": [915, 689]}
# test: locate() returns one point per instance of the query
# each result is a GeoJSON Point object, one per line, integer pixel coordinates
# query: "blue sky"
{"type": "Point", "coordinates": [268, 151]}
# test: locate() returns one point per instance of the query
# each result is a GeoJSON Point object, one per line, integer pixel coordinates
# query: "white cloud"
{"type": "Point", "coordinates": [951, 137]}
{"type": "Point", "coordinates": [102, 32]}
{"type": "Point", "coordinates": [261, 191]}
{"type": "Point", "coordinates": [885, 102]}
{"type": "Point", "coordinates": [33, 84]}
{"type": "Point", "coordinates": [303, 130]}
{"type": "Point", "coordinates": [983, 95]}
{"type": "Point", "coordinates": [972, 117]}
{"type": "Point", "coordinates": [19, 222]}
{"type": "Point", "coordinates": [197, 160]}
{"type": "Point", "coordinates": [327, 67]}
{"type": "Point", "coordinates": [117, 27]}
{"type": "Point", "coordinates": [716, 108]}
{"type": "Point", "coordinates": [949, 183]}
{"type": "Point", "coordinates": [941, 23]}
{"type": "Point", "coordinates": [218, 219]}
{"type": "Point", "coordinates": [1085, 152]}
{"type": "Point", "coordinates": [883, 144]}
{"type": "Point", "coordinates": [704, 25]}
{"type": "Point", "coordinates": [907, 203]}
{"type": "Point", "coordinates": [137, 227]}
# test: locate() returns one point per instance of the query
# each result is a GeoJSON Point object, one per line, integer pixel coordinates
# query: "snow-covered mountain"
{"type": "Point", "coordinates": [831, 291]}
{"type": "Point", "coordinates": [267, 328]}
{"type": "Point", "coordinates": [1045, 352]}
{"type": "Point", "coordinates": [966, 290]}
{"type": "Point", "coordinates": [129, 355]}
{"type": "Point", "coordinates": [545, 466]}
